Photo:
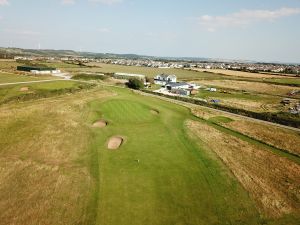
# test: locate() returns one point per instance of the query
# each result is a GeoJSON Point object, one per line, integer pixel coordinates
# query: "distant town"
{"type": "Point", "coordinates": [238, 66]}
{"type": "Point", "coordinates": [148, 61]}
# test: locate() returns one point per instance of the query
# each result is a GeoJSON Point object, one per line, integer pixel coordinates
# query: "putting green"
{"type": "Point", "coordinates": [124, 111]}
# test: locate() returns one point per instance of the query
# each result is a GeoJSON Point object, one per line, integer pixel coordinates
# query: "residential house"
{"type": "Point", "coordinates": [163, 79]}
{"type": "Point", "coordinates": [179, 88]}
{"type": "Point", "coordinates": [180, 85]}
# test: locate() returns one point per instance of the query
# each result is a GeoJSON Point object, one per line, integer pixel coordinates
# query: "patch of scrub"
{"type": "Point", "coordinates": [154, 111]}
{"type": "Point", "coordinates": [220, 119]}
{"type": "Point", "coordinates": [115, 142]}
{"type": "Point", "coordinates": [23, 89]}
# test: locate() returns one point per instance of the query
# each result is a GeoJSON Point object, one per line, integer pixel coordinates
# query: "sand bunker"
{"type": "Point", "coordinates": [100, 124]}
{"type": "Point", "coordinates": [154, 111]}
{"type": "Point", "coordinates": [24, 89]}
{"type": "Point", "coordinates": [115, 142]}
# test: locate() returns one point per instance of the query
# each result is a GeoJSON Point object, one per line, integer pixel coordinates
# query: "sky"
{"type": "Point", "coordinates": [261, 30]}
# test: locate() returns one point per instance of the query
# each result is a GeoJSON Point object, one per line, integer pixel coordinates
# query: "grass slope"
{"type": "Point", "coordinates": [37, 90]}
{"type": "Point", "coordinates": [60, 171]}
{"type": "Point", "coordinates": [12, 78]}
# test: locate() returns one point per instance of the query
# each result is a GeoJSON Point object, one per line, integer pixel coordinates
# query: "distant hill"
{"type": "Point", "coordinates": [11, 52]}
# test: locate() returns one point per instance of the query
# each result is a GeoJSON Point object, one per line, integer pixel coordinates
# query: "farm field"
{"type": "Point", "coordinates": [283, 81]}
{"type": "Point", "coordinates": [241, 100]}
{"type": "Point", "coordinates": [8, 65]}
{"type": "Point", "coordinates": [241, 73]}
{"type": "Point", "coordinates": [257, 87]}
{"type": "Point", "coordinates": [150, 72]}
{"type": "Point", "coordinates": [58, 167]}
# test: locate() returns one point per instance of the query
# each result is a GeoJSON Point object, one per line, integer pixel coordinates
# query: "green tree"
{"type": "Point", "coordinates": [135, 83]}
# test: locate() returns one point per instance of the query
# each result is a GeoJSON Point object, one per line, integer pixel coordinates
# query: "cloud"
{"type": "Point", "coordinates": [4, 2]}
{"type": "Point", "coordinates": [68, 2]}
{"type": "Point", "coordinates": [104, 30]}
{"type": "Point", "coordinates": [22, 32]}
{"type": "Point", "coordinates": [107, 2]}
{"type": "Point", "coordinates": [244, 18]}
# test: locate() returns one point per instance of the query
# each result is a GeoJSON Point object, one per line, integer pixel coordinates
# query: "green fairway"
{"type": "Point", "coordinates": [160, 175]}
{"type": "Point", "coordinates": [13, 78]}
{"type": "Point", "coordinates": [36, 90]}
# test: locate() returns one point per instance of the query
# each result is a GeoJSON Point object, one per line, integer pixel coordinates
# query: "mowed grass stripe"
{"type": "Point", "coordinates": [124, 111]}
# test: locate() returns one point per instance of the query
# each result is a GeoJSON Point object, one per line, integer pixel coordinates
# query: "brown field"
{"type": "Point", "coordinates": [250, 86]}
{"type": "Point", "coordinates": [43, 166]}
{"type": "Point", "coordinates": [241, 74]}
{"type": "Point", "coordinates": [272, 181]}
{"type": "Point", "coordinates": [251, 105]}
{"type": "Point", "coordinates": [206, 114]}
{"type": "Point", "coordinates": [276, 136]}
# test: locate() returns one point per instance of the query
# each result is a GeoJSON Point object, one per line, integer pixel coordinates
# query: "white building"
{"type": "Point", "coordinates": [45, 72]}
{"type": "Point", "coordinates": [211, 89]}
{"type": "Point", "coordinates": [175, 86]}
{"type": "Point", "coordinates": [163, 79]}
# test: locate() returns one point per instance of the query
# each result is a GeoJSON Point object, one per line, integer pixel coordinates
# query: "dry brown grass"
{"type": "Point", "coordinates": [241, 74]}
{"type": "Point", "coordinates": [251, 105]}
{"type": "Point", "coordinates": [44, 177]}
{"type": "Point", "coordinates": [250, 86]}
{"type": "Point", "coordinates": [206, 114]}
{"type": "Point", "coordinates": [272, 181]}
{"type": "Point", "coordinates": [279, 137]}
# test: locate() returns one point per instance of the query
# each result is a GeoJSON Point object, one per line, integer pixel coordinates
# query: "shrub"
{"type": "Point", "coordinates": [135, 83]}
{"type": "Point", "coordinates": [84, 76]}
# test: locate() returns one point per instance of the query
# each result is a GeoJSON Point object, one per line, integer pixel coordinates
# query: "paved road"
{"type": "Point", "coordinates": [30, 82]}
